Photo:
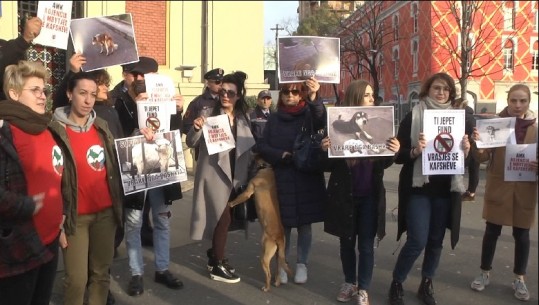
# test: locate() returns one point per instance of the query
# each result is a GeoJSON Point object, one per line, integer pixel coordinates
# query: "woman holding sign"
{"type": "Point", "coordinates": [509, 203]}
{"type": "Point", "coordinates": [427, 204]}
{"type": "Point", "coordinates": [355, 211]}
{"type": "Point", "coordinates": [219, 174]}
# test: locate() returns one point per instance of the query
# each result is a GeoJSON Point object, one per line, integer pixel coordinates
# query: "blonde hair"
{"type": "Point", "coordinates": [16, 75]}
{"type": "Point", "coordinates": [521, 87]}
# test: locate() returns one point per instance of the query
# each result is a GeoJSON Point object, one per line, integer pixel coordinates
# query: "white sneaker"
{"type": "Point", "coordinates": [301, 274]}
{"type": "Point", "coordinates": [521, 291]}
{"type": "Point", "coordinates": [283, 276]}
{"type": "Point", "coordinates": [480, 282]}
{"type": "Point", "coordinates": [362, 298]}
{"type": "Point", "coordinates": [346, 292]}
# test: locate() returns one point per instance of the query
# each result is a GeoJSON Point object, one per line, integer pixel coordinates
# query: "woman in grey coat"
{"type": "Point", "coordinates": [218, 175]}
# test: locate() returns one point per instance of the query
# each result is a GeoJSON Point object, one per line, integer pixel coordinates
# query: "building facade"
{"type": "Point", "coordinates": [422, 38]}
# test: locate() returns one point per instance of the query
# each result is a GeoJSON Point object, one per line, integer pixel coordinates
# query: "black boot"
{"type": "Point", "coordinates": [396, 293]}
{"type": "Point", "coordinates": [212, 261]}
{"type": "Point", "coordinates": [220, 273]}
{"type": "Point", "coordinates": [426, 291]}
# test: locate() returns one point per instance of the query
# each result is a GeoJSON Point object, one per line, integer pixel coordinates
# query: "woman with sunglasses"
{"type": "Point", "coordinates": [301, 195]}
{"type": "Point", "coordinates": [218, 175]}
{"type": "Point", "coordinates": [33, 187]}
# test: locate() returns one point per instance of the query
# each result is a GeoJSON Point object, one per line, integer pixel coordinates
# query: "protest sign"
{"type": "Point", "coordinates": [360, 131]}
{"type": "Point", "coordinates": [104, 41]}
{"type": "Point", "coordinates": [217, 134]}
{"type": "Point", "coordinates": [145, 165]}
{"type": "Point", "coordinates": [160, 88]}
{"type": "Point", "coordinates": [154, 115]}
{"type": "Point", "coordinates": [443, 130]}
{"type": "Point", "coordinates": [302, 57]}
{"type": "Point", "coordinates": [56, 17]}
{"type": "Point", "coordinates": [495, 132]}
{"type": "Point", "coordinates": [517, 162]}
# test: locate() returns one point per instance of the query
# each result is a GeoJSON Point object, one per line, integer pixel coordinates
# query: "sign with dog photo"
{"type": "Point", "coordinates": [360, 131]}
{"type": "Point", "coordinates": [145, 165]}
{"type": "Point", "coordinates": [104, 41]}
{"type": "Point", "coordinates": [302, 57]}
{"type": "Point", "coordinates": [56, 17]}
{"type": "Point", "coordinates": [443, 130]}
{"type": "Point", "coordinates": [495, 132]}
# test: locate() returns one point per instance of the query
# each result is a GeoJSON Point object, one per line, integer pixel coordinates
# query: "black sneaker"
{"type": "Point", "coordinates": [110, 299]}
{"type": "Point", "coordinates": [426, 292]}
{"type": "Point", "coordinates": [212, 261]}
{"type": "Point", "coordinates": [220, 273]}
{"type": "Point", "coordinates": [396, 293]}
{"type": "Point", "coordinates": [166, 278]}
{"type": "Point", "coordinates": [135, 287]}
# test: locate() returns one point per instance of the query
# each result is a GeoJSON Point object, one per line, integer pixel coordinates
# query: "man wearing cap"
{"type": "Point", "coordinates": [158, 198]}
{"type": "Point", "coordinates": [261, 113]}
{"type": "Point", "coordinates": [204, 102]}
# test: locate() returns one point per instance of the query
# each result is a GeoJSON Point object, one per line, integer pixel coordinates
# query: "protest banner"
{"type": "Point", "coordinates": [495, 132]}
{"type": "Point", "coordinates": [145, 165]}
{"type": "Point", "coordinates": [104, 41]}
{"type": "Point", "coordinates": [517, 162]}
{"type": "Point", "coordinates": [360, 131]}
{"type": "Point", "coordinates": [302, 57]}
{"type": "Point", "coordinates": [217, 134]}
{"type": "Point", "coordinates": [160, 88]}
{"type": "Point", "coordinates": [443, 130]}
{"type": "Point", "coordinates": [154, 115]}
{"type": "Point", "coordinates": [56, 17]}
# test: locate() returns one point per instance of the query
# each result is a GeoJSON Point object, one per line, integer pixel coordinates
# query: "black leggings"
{"type": "Point", "coordinates": [522, 247]}
{"type": "Point", "coordinates": [220, 234]}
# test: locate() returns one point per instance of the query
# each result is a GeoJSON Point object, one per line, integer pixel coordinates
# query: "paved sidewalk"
{"type": "Point", "coordinates": [457, 268]}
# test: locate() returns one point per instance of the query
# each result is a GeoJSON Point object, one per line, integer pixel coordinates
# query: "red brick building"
{"type": "Point", "coordinates": [422, 33]}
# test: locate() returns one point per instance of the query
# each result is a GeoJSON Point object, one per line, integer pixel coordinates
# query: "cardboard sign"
{"type": "Point", "coordinates": [56, 17]}
{"type": "Point", "coordinates": [160, 88]}
{"type": "Point", "coordinates": [217, 134]}
{"type": "Point", "coordinates": [443, 130]}
{"type": "Point", "coordinates": [517, 162]}
{"type": "Point", "coordinates": [496, 132]}
{"type": "Point", "coordinates": [154, 115]}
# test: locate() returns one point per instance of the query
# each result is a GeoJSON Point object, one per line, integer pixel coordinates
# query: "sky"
{"type": "Point", "coordinates": [276, 12]}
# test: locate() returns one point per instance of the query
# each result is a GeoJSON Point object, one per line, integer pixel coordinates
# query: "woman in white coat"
{"type": "Point", "coordinates": [218, 175]}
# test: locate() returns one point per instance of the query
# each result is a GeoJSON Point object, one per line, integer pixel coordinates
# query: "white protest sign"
{"type": "Point", "coordinates": [443, 130]}
{"type": "Point", "coordinates": [154, 115]}
{"type": "Point", "coordinates": [217, 134]}
{"type": "Point", "coordinates": [517, 162]}
{"type": "Point", "coordinates": [56, 17]}
{"type": "Point", "coordinates": [496, 132]}
{"type": "Point", "coordinates": [160, 88]}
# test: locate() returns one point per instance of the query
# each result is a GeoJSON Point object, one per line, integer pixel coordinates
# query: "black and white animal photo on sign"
{"type": "Point", "coordinates": [146, 165]}
{"type": "Point", "coordinates": [360, 131]}
{"type": "Point", "coordinates": [496, 132]}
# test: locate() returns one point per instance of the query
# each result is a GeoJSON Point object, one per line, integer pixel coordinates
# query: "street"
{"type": "Point", "coordinates": [452, 283]}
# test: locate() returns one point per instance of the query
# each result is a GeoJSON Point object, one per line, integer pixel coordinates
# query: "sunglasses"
{"type": "Point", "coordinates": [293, 91]}
{"type": "Point", "coordinates": [229, 93]}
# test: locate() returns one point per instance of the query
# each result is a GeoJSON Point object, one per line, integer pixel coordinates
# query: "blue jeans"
{"type": "Point", "coordinates": [305, 238]}
{"type": "Point", "coordinates": [161, 233]}
{"type": "Point", "coordinates": [426, 219]}
{"type": "Point", "coordinates": [366, 215]}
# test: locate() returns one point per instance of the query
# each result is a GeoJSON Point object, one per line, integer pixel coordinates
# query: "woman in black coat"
{"type": "Point", "coordinates": [356, 206]}
{"type": "Point", "coordinates": [301, 195]}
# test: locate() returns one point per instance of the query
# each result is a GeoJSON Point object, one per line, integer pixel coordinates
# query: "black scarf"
{"type": "Point", "coordinates": [23, 117]}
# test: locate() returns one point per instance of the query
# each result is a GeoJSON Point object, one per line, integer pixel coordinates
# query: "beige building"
{"type": "Point", "coordinates": [187, 38]}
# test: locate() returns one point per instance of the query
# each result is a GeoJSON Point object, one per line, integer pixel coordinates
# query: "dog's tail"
{"type": "Point", "coordinates": [281, 259]}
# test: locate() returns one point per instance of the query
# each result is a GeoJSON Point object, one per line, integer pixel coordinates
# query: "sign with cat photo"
{"type": "Point", "coordinates": [56, 17]}
{"type": "Point", "coordinates": [105, 41]}
{"type": "Point", "coordinates": [303, 57]}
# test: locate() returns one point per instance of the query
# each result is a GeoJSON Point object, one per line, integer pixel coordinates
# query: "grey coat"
{"type": "Point", "coordinates": [215, 179]}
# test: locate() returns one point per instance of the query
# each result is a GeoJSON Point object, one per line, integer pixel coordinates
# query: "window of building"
{"type": "Point", "coordinates": [509, 15]}
{"type": "Point", "coordinates": [380, 65]}
{"type": "Point", "coordinates": [396, 63]}
{"type": "Point", "coordinates": [396, 28]}
{"type": "Point", "coordinates": [508, 55]}
{"type": "Point", "coordinates": [415, 16]}
{"type": "Point", "coordinates": [535, 56]}
{"type": "Point", "coordinates": [415, 56]}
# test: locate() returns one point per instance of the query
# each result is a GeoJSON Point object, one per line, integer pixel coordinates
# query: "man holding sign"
{"type": "Point", "coordinates": [429, 202]}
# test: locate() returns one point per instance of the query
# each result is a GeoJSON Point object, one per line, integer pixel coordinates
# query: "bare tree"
{"type": "Point", "coordinates": [364, 37]}
{"type": "Point", "coordinates": [479, 44]}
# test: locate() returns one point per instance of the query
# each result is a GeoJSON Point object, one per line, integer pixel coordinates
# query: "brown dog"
{"type": "Point", "coordinates": [267, 208]}
{"type": "Point", "coordinates": [105, 41]}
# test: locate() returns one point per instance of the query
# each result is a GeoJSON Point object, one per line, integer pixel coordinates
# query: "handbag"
{"type": "Point", "coordinates": [307, 149]}
{"type": "Point", "coordinates": [245, 210]}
